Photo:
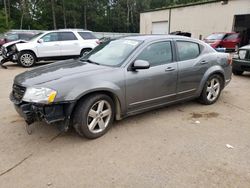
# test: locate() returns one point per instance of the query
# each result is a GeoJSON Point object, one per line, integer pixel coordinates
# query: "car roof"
{"type": "Point", "coordinates": [155, 37]}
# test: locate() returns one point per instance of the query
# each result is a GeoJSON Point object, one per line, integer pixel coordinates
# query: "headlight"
{"type": "Point", "coordinates": [39, 95]}
{"type": "Point", "coordinates": [242, 54]}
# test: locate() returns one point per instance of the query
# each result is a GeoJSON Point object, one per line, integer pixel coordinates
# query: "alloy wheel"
{"type": "Point", "coordinates": [27, 60]}
{"type": "Point", "coordinates": [99, 116]}
{"type": "Point", "coordinates": [213, 89]}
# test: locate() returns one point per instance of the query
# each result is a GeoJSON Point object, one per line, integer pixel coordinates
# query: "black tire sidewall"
{"type": "Point", "coordinates": [82, 114]}
{"type": "Point", "coordinates": [203, 97]}
{"type": "Point", "coordinates": [83, 51]}
{"type": "Point", "coordinates": [21, 54]}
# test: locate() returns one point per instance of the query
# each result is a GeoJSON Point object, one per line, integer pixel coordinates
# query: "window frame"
{"type": "Point", "coordinates": [177, 50]}
{"type": "Point", "coordinates": [155, 42]}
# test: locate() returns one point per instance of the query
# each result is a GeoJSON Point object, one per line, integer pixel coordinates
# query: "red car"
{"type": "Point", "coordinates": [230, 41]}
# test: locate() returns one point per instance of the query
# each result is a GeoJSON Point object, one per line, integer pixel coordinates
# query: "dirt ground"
{"type": "Point", "coordinates": [178, 146]}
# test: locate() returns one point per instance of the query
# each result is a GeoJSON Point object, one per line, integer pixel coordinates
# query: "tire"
{"type": "Point", "coordinates": [211, 90]}
{"type": "Point", "coordinates": [26, 59]}
{"type": "Point", "coordinates": [237, 72]}
{"type": "Point", "coordinates": [84, 51]}
{"type": "Point", "coordinates": [94, 116]}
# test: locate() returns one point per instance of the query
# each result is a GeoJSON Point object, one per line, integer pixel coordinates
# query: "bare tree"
{"type": "Point", "coordinates": [6, 13]}
{"type": "Point", "coordinates": [64, 14]}
{"type": "Point", "coordinates": [53, 13]}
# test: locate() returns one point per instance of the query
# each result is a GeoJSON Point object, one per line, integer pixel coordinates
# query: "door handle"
{"type": "Point", "coordinates": [204, 62]}
{"type": "Point", "coordinates": [169, 69]}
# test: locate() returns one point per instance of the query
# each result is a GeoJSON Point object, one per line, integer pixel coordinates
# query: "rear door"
{"type": "Point", "coordinates": [192, 65]}
{"type": "Point", "coordinates": [69, 44]}
{"type": "Point", "coordinates": [50, 46]}
{"type": "Point", "coordinates": [156, 85]}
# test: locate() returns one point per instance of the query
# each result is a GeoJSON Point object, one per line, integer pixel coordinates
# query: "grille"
{"type": "Point", "coordinates": [18, 92]}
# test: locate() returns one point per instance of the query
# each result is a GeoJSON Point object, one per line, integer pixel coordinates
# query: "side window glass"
{"type": "Point", "coordinates": [157, 54]}
{"type": "Point", "coordinates": [232, 36]}
{"type": "Point", "coordinates": [64, 36]}
{"type": "Point", "coordinates": [51, 37]}
{"type": "Point", "coordinates": [188, 50]}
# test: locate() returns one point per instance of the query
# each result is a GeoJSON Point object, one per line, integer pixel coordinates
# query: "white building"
{"type": "Point", "coordinates": [200, 19]}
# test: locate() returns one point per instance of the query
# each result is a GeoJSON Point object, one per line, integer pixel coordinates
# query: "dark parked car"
{"type": "Point", "coordinates": [241, 60]}
{"type": "Point", "coordinates": [230, 41]}
{"type": "Point", "coordinates": [15, 35]}
{"type": "Point", "coordinates": [120, 78]}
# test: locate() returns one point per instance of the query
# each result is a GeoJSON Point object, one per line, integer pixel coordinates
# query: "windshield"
{"type": "Point", "coordinates": [112, 53]}
{"type": "Point", "coordinates": [216, 36]}
{"type": "Point", "coordinates": [35, 36]}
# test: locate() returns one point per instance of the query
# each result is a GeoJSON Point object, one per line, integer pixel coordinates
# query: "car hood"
{"type": "Point", "coordinates": [14, 42]}
{"type": "Point", "coordinates": [58, 71]}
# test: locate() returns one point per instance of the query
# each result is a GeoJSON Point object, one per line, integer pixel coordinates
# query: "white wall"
{"type": "Point", "coordinates": [201, 19]}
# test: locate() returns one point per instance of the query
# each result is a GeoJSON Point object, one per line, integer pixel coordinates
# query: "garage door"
{"type": "Point", "coordinates": [160, 27]}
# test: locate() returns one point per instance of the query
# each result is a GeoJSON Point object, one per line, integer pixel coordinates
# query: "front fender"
{"type": "Point", "coordinates": [80, 91]}
{"type": "Point", "coordinates": [26, 46]}
{"type": "Point", "coordinates": [212, 70]}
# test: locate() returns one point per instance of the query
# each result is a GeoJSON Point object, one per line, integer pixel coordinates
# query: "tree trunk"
{"type": "Point", "coordinates": [6, 13]}
{"type": "Point", "coordinates": [64, 15]}
{"type": "Point", "coordinates": [53, 13]}
{"type": "Point", "coordinates": [128, 14]}
{"type": "Point", "coordinates": [85, 17]}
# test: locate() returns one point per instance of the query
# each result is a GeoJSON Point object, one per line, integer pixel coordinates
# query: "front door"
{"type": "Point", "coordinates": [156, 85]}
{"type": "Point", "coordinates": [50, 45]}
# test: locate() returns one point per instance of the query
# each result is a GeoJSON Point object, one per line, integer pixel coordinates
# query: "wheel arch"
{"type": "Point", "coordinates": [112, 95]}
{"type": "Point", "coordinates": [22, 51]}
{"type": "Point", "coordinates": [213, 71]}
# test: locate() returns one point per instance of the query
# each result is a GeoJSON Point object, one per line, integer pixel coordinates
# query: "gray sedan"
{"type": "Point", "coordinates": [120, 78]}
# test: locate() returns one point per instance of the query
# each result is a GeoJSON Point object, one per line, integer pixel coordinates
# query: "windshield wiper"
{"type": "Point", "coordinates": [90, 61]}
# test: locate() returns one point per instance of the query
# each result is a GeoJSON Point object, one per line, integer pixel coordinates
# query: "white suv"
{"type": "Point", "coordinates": [50, 45]}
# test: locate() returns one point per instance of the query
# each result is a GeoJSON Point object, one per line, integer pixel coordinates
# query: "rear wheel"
{"type": "Point", "coordinates": [94, 116]}
{"type": "Point", "coordinates": [212, 89]}
{"type": "Point", "coordinates": [85, 51]}
{"type": "Point", "coordinates": [26, 59]}
{"type": "Point", "coordinates": [237, 72]}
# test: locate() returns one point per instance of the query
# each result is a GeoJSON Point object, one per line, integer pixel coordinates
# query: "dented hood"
{"type": "Point", "coordinates": [14, 42]}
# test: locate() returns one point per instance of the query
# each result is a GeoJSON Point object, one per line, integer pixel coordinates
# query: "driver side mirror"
{"type": "Point", "coordinates": [140, 64]}
{"type": "Point", "coordinates": [40, 41]}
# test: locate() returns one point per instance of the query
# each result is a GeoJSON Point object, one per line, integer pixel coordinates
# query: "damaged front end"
{"type": "Point", "coordinates": [9, 52]}
{"type": "Point", "coordinates": [58, 114]}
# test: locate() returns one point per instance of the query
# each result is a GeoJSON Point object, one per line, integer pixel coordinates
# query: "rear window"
{"type": "Point", "coordinates": [64, 36]}
{"type": "Point", "coordinates": [232, 36]}
{"type": "Point", "coordinates": [87, 35]}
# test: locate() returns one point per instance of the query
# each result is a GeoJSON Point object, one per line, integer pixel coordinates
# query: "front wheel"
{"type": "Point", "coordinates": [94, 116]}
{"type": "Point", "coordinates": [211, 90]}
{"type": "Point", "coordinates": [26, 59]}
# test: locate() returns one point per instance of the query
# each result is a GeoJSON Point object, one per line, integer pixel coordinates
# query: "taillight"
{"type": "Point", "coordinates": [230, 60]}
{"type": "Point", "coordinates": [98, 42]}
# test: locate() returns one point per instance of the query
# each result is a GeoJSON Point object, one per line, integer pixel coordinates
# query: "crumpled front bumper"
{"type": "Point", "coordinates": [8, 55]}
{"type": "Point", "coordinates": [53, 113]}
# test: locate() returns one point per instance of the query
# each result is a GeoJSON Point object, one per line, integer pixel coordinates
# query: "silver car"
{"type": "Point", "coordinates": [120, 78]}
